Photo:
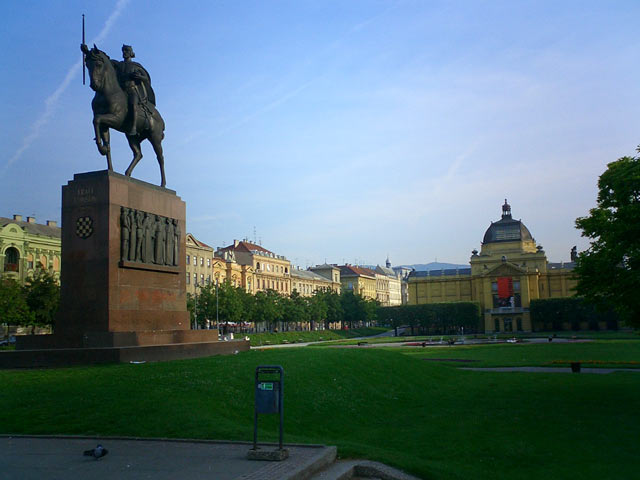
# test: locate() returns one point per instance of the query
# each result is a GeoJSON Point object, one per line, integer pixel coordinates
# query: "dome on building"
{"type": "Point", "coordinates": [507, 229]}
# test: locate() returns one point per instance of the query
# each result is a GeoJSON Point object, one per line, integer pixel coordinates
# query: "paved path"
{"type": "Point", "coordinates": [61, 458]}
{"type": "Point", "coordinates": [549, 369]}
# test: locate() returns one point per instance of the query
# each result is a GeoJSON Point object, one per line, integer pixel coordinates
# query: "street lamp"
{"type": "Point", "coordinates": [195, 308]}
{"type": "Point", "coordinates": [217, 317]}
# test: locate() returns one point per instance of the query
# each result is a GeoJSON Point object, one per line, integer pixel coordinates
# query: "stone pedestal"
{"type": "Point", "coordinates": [123, 275]}
{"type": "Point", "coordinates": [115, 284]}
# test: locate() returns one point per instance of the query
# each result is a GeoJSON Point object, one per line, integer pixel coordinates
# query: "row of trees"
{"type": "Point", "coordinates": [274, 311]}
{"type": "Point", "coordinates": [434, 318]}
{"type": "Point", "coordinates": [35, 304]}
{"type": "Point", "coordinates": [553, 313]}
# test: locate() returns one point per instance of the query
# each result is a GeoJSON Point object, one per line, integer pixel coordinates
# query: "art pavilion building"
{"type": "Point", "coordinates": [509, 271]}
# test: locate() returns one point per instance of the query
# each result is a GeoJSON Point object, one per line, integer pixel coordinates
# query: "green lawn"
{"type": "Point", "coordinates": [390, 405]}
{"type": "Point", "coordinates": [611, 353]}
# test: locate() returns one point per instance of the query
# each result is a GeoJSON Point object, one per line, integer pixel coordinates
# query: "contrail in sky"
{"type": "Point", "coordinates": [51, 102]}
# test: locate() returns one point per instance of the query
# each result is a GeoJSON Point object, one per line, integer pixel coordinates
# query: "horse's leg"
{"type": "Point", "coordinates": [156, 142]}
{"type": "Point", "coordinates": [98, 128]}
{"type": "Point", "coordinates": [134, 144]}
{"type": "Point", "coordinates": [106, 141]}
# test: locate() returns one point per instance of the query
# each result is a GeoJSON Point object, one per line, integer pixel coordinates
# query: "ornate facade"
{"type": "Point", "coordinates": [389, 286]}
{"type": "Point", "coordinates": [508, 272]}
{"type": "Point", "coordinates": [359, 280]}
{"type": "Point", "coordinates": [204, 267]}
{"type": "Point", "coordinates": [331, 273]}
{"type": "Point", "coordinates": [264, 270]}
{"type": "Point", "coordinates": [25, 245]}
{"type": "Point", "coordinates": [307, 282]}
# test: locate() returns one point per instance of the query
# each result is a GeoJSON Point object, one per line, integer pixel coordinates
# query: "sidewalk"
{"type": "Point", "coordinates": [61, 458]}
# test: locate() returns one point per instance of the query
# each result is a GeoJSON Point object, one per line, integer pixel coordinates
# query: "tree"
{"type": "Point", "coordinates": [317, 309]}
{"type": "Point", "coordinates": [230, 303]}
{"type": "Point", "coordinates": [42, 295]}
{"type": "Point", "coordinates": [609, 270]}
{"type": "Point", "coordinates": [294, 309]}
{"type": "Point", "coordinates": [331, 299]}
{"type": "Point", "coordinates": [268, 308]}
{"type": "Point", "coordinates": [13, 305]}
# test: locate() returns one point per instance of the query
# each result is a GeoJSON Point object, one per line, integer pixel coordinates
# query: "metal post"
{"type": "Point", "coordinates": [195, 309]}
{"type": "Point", "coordinates": [217, 319]}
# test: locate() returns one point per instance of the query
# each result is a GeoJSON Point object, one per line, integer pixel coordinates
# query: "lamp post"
{"type": "Point", "coordinates": [195, 308]}
{"type": "Point", "coordinates": [217, 317]}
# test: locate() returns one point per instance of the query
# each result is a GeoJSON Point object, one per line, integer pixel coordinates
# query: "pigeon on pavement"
{"type": "Point", "coordinates": [97, 452]}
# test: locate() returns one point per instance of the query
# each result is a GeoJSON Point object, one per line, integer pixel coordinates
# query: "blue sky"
{"type": "Point", "coordinates": [337, 131]}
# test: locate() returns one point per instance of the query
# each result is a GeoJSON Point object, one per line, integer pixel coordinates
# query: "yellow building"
{"type": "Point", "coordinates": [389, 286]}
{"type": "Point", "coordinates": [264, 269]}
{"type": "Point", "coordinates": [359, 280]}
{"type": "Point", "coordinates": [198, 263]}
{"type": "Point", "coordinates": [203, 267]}
{"type": "Point", "coordinates": [307, 282]}
{"type": "Point", "coordinates": [509, 272]}
{"type": "Point", "coordinates": [331, 273]}
{"type": "Point", "coordinates": [26, 245]}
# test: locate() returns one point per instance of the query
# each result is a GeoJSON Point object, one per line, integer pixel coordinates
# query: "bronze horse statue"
{"type": "Point", "coordinates": [111, 109]}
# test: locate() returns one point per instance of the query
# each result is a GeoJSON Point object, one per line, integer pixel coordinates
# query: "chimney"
{"type": "Point", "coordinates": [17, 218]}
{"type": "Point", "coordinates": [235, 243]}
{"type": "Point", "coordinates": [52, 223]}
{"type": "Point", "coordinates": [31, 219]}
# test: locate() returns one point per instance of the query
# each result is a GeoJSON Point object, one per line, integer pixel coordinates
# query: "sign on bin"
{"type": "Point", "coordinates": [267, 397]}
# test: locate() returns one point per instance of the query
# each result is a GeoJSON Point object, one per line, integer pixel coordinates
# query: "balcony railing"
{"type": "Point", "coordinates": [512, 310]}
{"type": "Point", "coordinates": [11, 267]}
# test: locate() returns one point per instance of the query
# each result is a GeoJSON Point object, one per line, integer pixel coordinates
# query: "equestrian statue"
{"type": "Point", "coordinates": [124, 101]}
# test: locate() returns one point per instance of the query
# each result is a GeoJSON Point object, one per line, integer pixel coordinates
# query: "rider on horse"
{"type": "Point", "coordinates": [134, 80]}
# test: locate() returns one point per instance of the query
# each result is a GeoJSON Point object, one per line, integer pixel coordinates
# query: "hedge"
{"type": "Point", "coordinates": [554, 313]}
{"type": "Point", "coordinates": [435, 318]}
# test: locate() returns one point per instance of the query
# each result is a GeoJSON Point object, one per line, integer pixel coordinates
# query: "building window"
{"type": "Point", "coordinates": [257, 265]}
{"type": "Point", "coordinates": [208, 279]}
{"type": "Point", "coordinates": [195, 279]}
{"type": "Point", "coordinates": [286, 270]}
{"type": "Point", "coordinates": [12, 259]}
{"type": "Point", "coordinates": [195, 260]}
{"type": "Point", "coordinates": [202, 261]}
{"type": "Point", "coordinates": [202, 278]}
{"type": "Point", "coordinates": [208, 262]}
{"type": "Point", "coordinates": [188, 278]}
{"type": "Point", "coordinates": [188, 260]}
{"type": "Point", "coordinates": [519, 324]}
{"type": "Point", "coordinates": [496, 325]}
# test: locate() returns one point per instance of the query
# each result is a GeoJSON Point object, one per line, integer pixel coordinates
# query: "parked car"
{"type": "Point", "coordinates": [8, 341]}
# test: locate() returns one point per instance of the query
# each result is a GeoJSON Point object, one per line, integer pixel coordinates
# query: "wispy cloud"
{"type": "Point", "coordinates": [51, 102]}
{"type": "Point", "coordinates": [295, 91]}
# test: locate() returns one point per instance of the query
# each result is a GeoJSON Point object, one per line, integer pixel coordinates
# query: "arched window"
{"type": "Point", "coordinates": [11, 260]}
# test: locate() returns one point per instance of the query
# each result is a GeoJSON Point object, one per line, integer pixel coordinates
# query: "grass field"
{"type": "Point", "coordinates": [390, 405]}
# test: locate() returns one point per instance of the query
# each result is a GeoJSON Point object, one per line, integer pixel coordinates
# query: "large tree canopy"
{"type": "Point", "coordinates": [609, 270]}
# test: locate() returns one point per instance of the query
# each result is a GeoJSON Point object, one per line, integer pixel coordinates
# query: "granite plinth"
{"type": "Point", "coordinates": [99, 291]}
{"type": "Point", "coordinates": [123, 280]}
{"type": "Point", "coordinates": [62, 357]}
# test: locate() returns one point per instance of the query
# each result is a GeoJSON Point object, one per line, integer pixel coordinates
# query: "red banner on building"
{"type": "Point", "coordinates": [505, 287]}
